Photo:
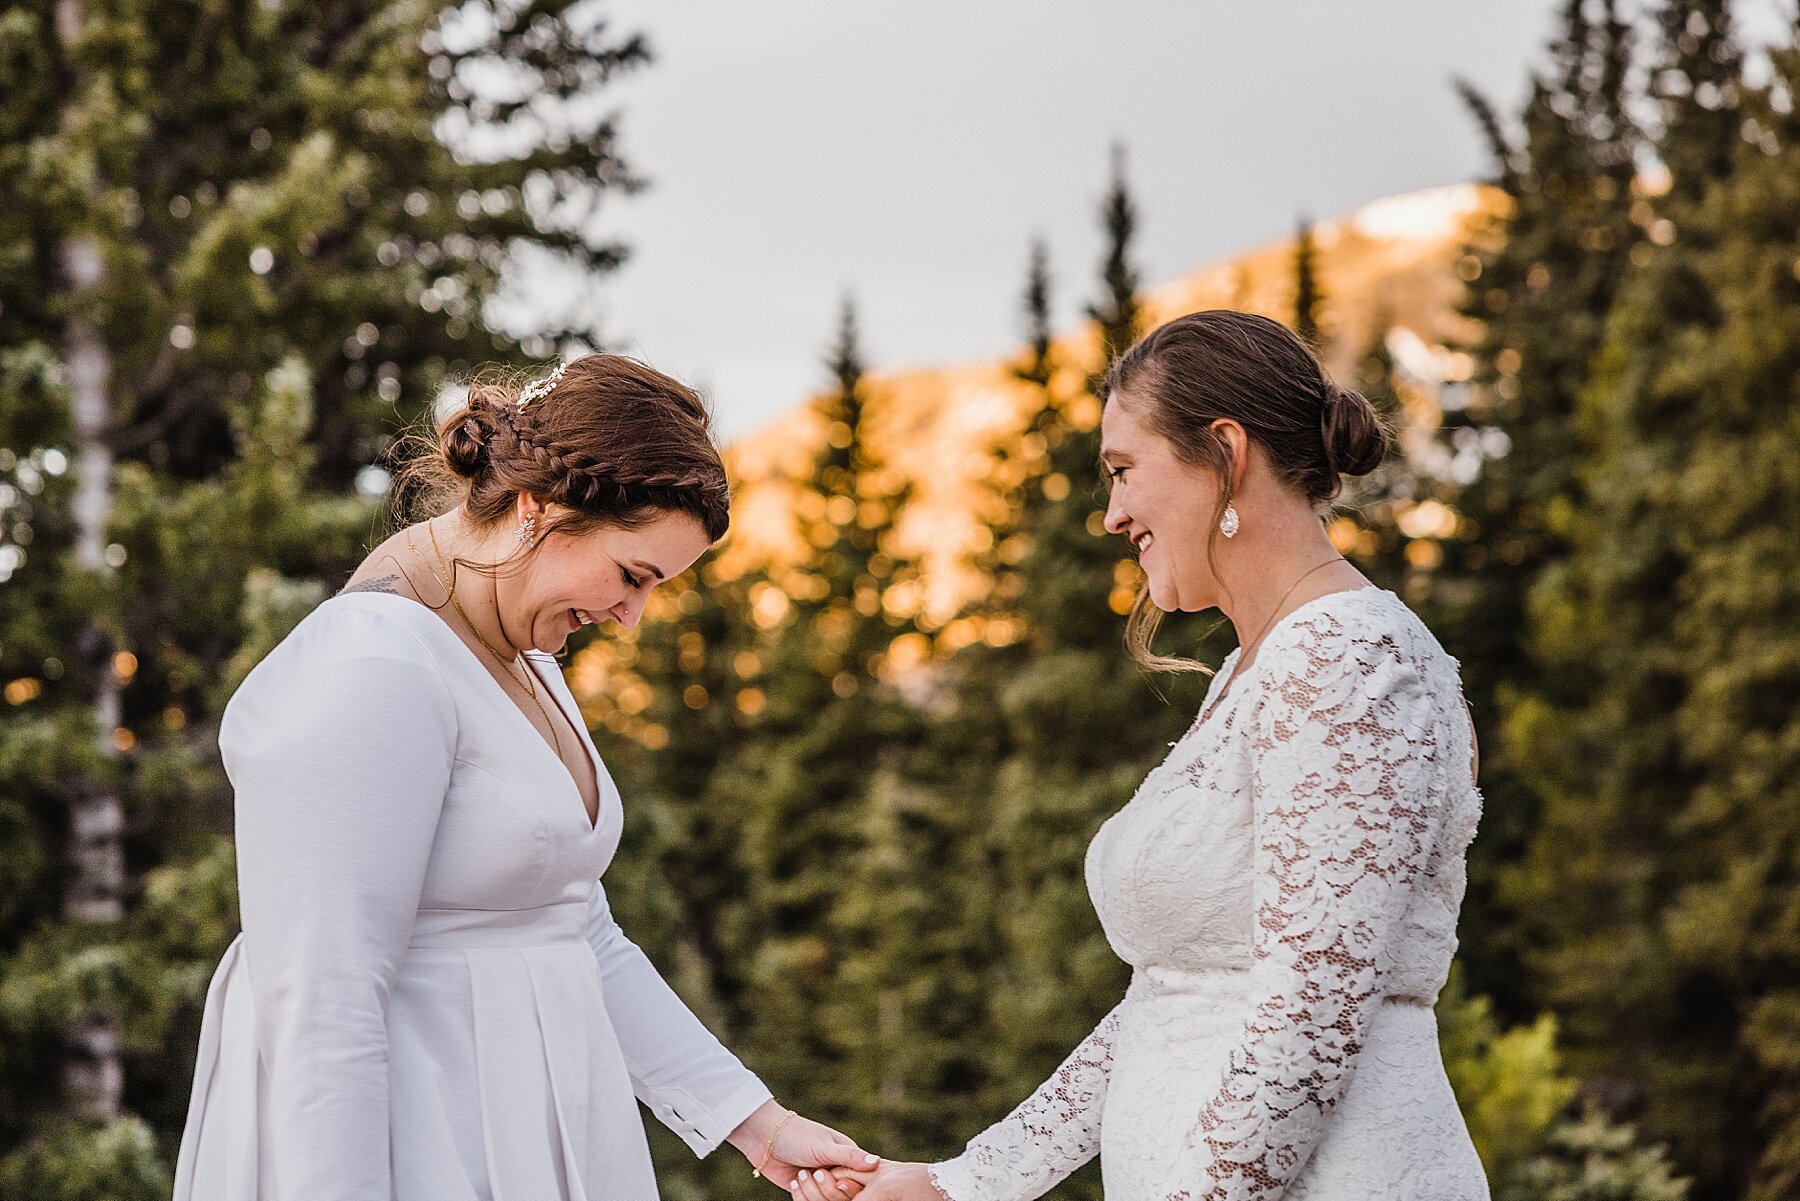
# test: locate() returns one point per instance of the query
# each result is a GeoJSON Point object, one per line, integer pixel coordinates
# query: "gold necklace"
{"type": "Point", "coordinates": [530, 691]}
{"type": "Point", "coordinates": [462, 612]}
{"type": "Point", "coordinates": [1265, 629]}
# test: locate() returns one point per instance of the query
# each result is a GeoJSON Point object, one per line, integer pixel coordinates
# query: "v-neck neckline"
{"type": "Point", "coordinates": [578, 729]}
{"type": "Point", "coordinates": [593, 756]}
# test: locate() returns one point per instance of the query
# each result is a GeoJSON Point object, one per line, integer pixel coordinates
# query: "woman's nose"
{"type": "Point", "coordinates": [627, 611]}
{"type": "Point", "coordinates": [1116, 518]}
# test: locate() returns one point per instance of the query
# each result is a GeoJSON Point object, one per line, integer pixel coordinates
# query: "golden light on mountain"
{"type": "Point", "coordinates": [1393, 270]}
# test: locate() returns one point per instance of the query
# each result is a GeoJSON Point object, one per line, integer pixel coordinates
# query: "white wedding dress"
{"type": "Point", "coordinates": [430, 999]}
{"type": "Point", "coordinates": [1285, 886]}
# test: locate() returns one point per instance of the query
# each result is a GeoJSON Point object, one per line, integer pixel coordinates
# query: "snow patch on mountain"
{"type": "Point", "coordinates": [1425, 215]}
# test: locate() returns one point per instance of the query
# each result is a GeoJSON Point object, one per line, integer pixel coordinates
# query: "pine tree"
{"type": "Point", "coordinates": [1308, 303]}
{"type": "Point", "coordinates": [681, 700]}
{"type": "Point", "coordinates": [1669, 844]}
{"type": "Point", "coordinates": [680, 695]}
{"type": "Point", "coordinates": [1117, 312]}
{"type": "Point", "coordinates": [1036, 305]}
{"type": "Point", "coordinates": [1366, 527]}
{"type": "Point", "coordinates": [1697, 84]}
{"type": "Point", "coordinates": [1050, 724]}
{"type": "Point", "coordinates": [810, 945]}
{"type": "Point", "coordinates": [1542, 281]}
{"type": "Point", "coordinates": [1016, 469]}
{"type": "Point", "coordinates": [853, 592]}
{"type": "Point", "coordinates": [1069, 596]}
{"type": "Point", "coordinates": [229, 258]}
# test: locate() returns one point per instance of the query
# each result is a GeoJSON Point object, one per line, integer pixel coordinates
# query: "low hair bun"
{"type": "Point", "coordinates": [465, 438]}
{"type": "Point", "coordinates": [1355, 439]}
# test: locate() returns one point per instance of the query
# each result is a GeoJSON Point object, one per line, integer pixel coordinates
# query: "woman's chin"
{"type": "Point", "coordinates": [1169, 599]}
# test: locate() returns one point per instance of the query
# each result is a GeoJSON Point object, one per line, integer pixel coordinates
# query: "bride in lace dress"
{"type": "Point", "coordinates": [1285, 885]}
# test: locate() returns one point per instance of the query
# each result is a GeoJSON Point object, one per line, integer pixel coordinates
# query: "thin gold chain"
{"type": "Point", "coordinates": [530, 690]}
{"type": "Point", "coordinates": [462, 612]}
{"type": "Point", "coordinates": [1265, 629]}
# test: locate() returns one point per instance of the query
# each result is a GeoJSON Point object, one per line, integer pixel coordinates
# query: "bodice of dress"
{"type": "Point", "coordinates": [430, 997]}
{"type": "Point", "coordinates": [1295, 861]}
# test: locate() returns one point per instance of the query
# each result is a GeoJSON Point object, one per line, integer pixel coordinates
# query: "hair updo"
{"type": "Point", "coordinates": [1196, 369]}
{"type": "Point", "coordinates": [612, 440]}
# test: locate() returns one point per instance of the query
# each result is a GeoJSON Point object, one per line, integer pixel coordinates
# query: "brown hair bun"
{"type": "Point", "coordinates": [1193, 370]}
{"type": "Point", "coordinates": [1355, 440]}
{"type": "Point", "coordinates": [465, 440]}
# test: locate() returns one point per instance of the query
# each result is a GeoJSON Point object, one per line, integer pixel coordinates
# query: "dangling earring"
{"type": "Point", "coordinates": [528, 529]}
{"type": "Point", "coordinates": [1228, 524]}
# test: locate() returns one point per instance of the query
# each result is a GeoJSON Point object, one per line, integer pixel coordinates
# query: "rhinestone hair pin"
{"type": "Point", "coordinates": [538, 389]}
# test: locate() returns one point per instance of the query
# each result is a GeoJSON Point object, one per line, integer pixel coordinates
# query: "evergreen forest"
{"type": "Point", "coordinates": [245, 247]}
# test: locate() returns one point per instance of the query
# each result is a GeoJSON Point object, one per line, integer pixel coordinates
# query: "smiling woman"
{"type": "Point", "coordinates": [1285, 884]}
{"type": "Point", "coordinates": [606, 436]}
{"type": "Point", "coordinates": [607, 475]}
{"type": "Point", "coordinates": [1219, 412]}
{"type": "Point", "coordinates": [430, 997]}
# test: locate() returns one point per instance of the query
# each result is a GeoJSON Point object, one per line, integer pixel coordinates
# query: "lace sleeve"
{"type": "Point", "coordinates": [1053, 1132]}
{"type": "Point", "coordinates": [1343, 746]}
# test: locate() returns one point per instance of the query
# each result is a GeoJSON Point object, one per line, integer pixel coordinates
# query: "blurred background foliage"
{"type": "Point", "coordinates": [245, 247]}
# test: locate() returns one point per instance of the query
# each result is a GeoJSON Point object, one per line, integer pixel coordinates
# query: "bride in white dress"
{"type": "Point", "coordinates": [430, 999]}
{"type": "Point", "coordinates": [1285, 885]}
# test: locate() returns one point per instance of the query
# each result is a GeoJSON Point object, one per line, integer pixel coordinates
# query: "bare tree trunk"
{"type": "Point", "coordinates": [94, 1076]}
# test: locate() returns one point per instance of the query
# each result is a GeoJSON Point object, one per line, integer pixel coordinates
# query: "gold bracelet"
{"type": "Point", "coordinates": [756, 1173]}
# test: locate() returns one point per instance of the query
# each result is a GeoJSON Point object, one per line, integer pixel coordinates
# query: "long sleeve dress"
{"type": "Point", "coordinates": [1285, 887]}
{"type": "Point", "coordinates": [430, 1000]}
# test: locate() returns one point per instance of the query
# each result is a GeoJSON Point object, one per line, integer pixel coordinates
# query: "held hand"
{"type": "Point", "coordinates": [793, 1143]}
{"type": "Point", "coordinates": [894, 1180]}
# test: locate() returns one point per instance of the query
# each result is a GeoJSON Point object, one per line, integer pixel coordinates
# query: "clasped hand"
{"type": "Point", "coordinates": [816, 1163]}
{"type": "Point", "coordinates": [889, 1180]}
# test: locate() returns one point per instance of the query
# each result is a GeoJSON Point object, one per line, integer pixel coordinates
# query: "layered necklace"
{"type": "Point", "coordinates": [526, 675]}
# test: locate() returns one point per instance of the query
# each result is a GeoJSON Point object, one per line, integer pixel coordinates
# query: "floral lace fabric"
{"type": "Point", "coordinates": [1285, 886]}
{"type": "Point", "coordinates": [1053, 1132]}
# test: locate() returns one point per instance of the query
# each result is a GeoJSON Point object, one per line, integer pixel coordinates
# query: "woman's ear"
{"type": "Point", "coordinates": [1236, 442]}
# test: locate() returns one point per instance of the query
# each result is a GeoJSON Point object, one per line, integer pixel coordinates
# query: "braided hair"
{"type": "Point", "coordinates": [612, 440]}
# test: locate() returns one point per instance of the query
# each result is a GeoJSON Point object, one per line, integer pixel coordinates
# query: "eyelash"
{"type": "Point", "coordinates": [630, 580]}
{"type": "Point", "coordinates": [1116, 473]}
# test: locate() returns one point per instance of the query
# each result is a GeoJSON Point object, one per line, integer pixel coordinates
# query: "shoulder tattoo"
{"type": "Point", "coordinates": [383, 583]}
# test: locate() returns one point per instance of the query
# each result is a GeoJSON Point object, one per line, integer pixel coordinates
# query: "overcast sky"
{"type": "Point", "coordinates": [907, 152]}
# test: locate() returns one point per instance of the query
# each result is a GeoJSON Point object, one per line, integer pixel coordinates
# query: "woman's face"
{"type": "Point", "coordinates": [1161, 505]}
{"type": "Point", "coordinates": [575, 579]}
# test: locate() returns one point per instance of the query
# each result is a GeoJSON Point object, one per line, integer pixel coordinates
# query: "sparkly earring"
{"type": "Point", "coordinates": [1228, 524]}
{"type": "Point", "coordinates": [528, 529]}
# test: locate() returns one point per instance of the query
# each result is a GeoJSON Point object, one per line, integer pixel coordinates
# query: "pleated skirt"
{"type": "Point", "coordinates": [506, 1083]}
